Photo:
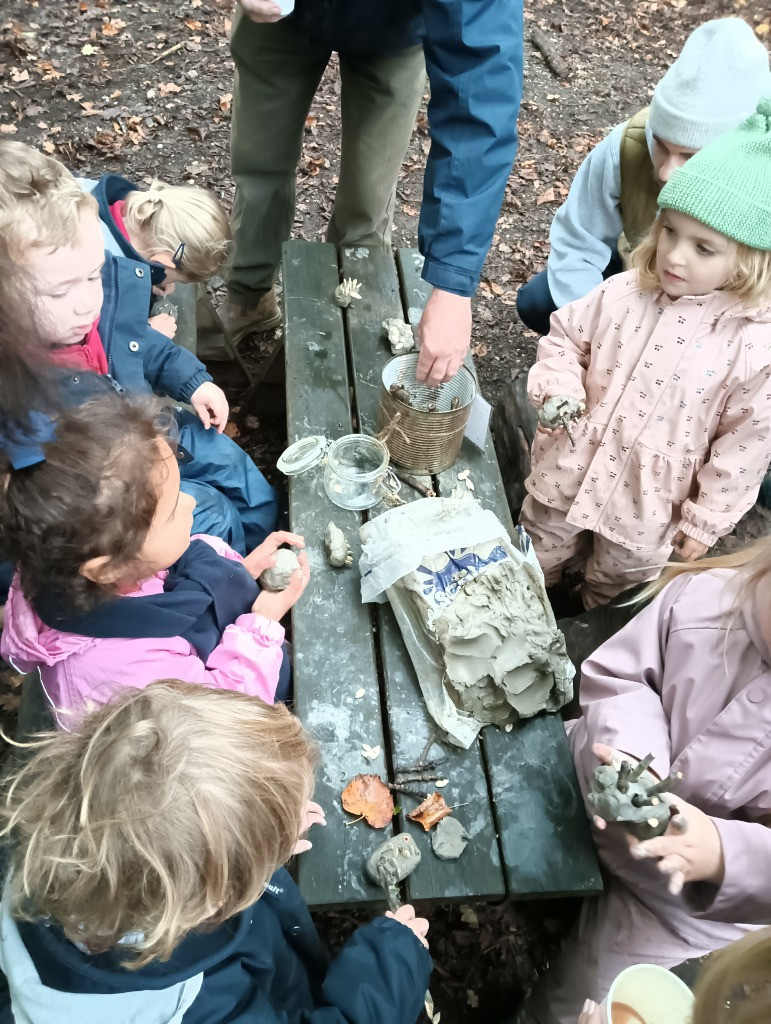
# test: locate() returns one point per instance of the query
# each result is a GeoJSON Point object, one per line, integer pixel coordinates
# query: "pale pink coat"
{"type": "Point", "coordinates": [677, 683]}
{"type": "Point", "coordinates": [75, 670]}
{"type": "Point", "coordinates": [677, 432]}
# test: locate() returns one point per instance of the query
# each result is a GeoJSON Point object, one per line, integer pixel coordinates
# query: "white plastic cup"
{"type": "Point", "coordinates": [653, 993]}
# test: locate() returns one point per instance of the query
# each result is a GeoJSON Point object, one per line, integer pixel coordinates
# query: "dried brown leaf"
{"type": "Point", "coordinates": [546, 197]}
{"type": "Point", "coordinates": [432, 810]}
{"type": "Point", "coordinates": [368, 796]}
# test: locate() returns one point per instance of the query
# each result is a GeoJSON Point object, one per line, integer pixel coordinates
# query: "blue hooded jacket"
{"type": "Point", "coordinates": [140, 359]}
{"type": "Point", "coordinates": [264, 966]}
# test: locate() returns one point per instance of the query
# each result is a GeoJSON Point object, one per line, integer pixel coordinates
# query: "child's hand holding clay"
{"type": "Point", "coordinates": [275, 604]}
{"type": "Point", "coordinates": [687, 548]}
{"type": "Point", "coordinates": [689, 851]}
{"type": "Point", "coordinates": [264, 556]}
{"type": "Point", "coordinates": [164, 323]}
{"type": "Point", "coordinates": [211, 405]}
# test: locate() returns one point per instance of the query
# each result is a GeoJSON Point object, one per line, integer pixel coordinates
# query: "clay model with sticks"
{"type": "Point", "coordinates": [631, 796]}
{"type": "Point", "coordinates": [339, 554]}
{"type": "Point", "coordinates": [391, 863]}
{"type": "Point", "coordinates": [346, 292]}
{"type": "Point", "coordinates": [561, 411]}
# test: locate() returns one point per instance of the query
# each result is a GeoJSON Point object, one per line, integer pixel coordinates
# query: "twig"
{"type": "Point", "coordinates": [544, 45]}
{"type": "Point", "coordinates": [421, 761]}
{"type": "Point", "coordinates": [171, 49]}
{"type": "Point", "coordinates": [420, 766]}
{"type": "Point", "coordinates": [396, 788]}
{"type": "Point", "coordinates": [416, 485]}
{"type": "Point", "coordinates": [402, 777]}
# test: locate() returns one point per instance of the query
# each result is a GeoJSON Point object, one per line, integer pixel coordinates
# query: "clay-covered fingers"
{"type": "Point", "coordinates": [281, 537]}
{"type": "Point", "coordinates": [551, 431]}
{"type": "Point", "coordinates": [432, 371]}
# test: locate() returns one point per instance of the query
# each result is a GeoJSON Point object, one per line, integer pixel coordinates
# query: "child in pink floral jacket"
{"type": "Point", "coordinates": [112, 591]}
{"type": "Point", "coordinates": [668, 367]}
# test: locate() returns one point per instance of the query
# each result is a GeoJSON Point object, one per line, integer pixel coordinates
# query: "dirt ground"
{"type": "Point", "coordinates": [144, 90]}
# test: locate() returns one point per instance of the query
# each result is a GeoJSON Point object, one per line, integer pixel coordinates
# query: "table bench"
{"type": "Point", "coordinates": [516, 792]}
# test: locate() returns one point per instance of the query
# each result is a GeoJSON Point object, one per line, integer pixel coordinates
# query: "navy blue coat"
{"type": "Point", "coordinates": [140, 359]}
{"type": "Point", "coordinates": [264, 966]}
{"type": "Point", "coordinates": [473, 54]}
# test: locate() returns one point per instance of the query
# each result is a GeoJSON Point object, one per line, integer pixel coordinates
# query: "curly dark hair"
{"type": "Point", "coordinates": [93, 495]}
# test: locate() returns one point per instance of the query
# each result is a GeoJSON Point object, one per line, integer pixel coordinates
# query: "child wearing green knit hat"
{"type": "Point", "coordinates": [667, 370]}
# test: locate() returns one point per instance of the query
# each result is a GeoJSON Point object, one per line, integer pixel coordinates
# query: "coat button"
{"type": "Point", "coordinates": [76, 380]}
{"type": "Point", "coordinates": [139, 272]}
{"type": "Point", "coordinates": [133, 346]}
{"type": "Point", "coordinates": [756, 695]}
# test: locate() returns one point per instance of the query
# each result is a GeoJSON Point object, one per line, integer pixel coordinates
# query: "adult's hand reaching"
{"type": "Point", "coordinates": [261, 10]}
{"type": "Point", "coordinates": [445, 334]}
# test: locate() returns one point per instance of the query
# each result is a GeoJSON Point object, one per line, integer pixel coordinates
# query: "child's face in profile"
{"type": "Point", "coordinates": [691, 259]}
{"type": "Point", "coordinates": [169, 536]}
{"type": "Point", "coordinates": [69, 283]}
{"type": "Point", "coordinates": [667, 157]}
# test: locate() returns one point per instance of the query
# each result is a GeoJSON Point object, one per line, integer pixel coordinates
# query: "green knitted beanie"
{"type": "Point", "coordinates": [727, 185]}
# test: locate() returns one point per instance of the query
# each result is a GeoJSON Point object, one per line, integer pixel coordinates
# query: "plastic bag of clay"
{"type": "Point", "coordinates": [473, 612]}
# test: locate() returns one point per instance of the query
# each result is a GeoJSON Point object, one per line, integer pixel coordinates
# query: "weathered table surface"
{"type": "Point", "coordinates": [516, 793]}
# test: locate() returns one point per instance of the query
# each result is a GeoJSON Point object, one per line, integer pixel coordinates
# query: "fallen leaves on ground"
{"type": "Point", "coordinates": [432, 810]}
{"type": "Point", "coordinates": [368, 797]}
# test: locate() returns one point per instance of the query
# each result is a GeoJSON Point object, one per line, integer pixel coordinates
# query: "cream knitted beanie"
{"type": "Point", "coordinates": [713, 85]}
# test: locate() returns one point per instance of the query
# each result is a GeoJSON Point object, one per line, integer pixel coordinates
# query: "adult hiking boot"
{"type": "Point", "coordinates": [240, 321]}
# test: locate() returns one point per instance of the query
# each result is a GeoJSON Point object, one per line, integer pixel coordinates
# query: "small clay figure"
{"type": "Point", "coordinates": [346, 292]}
{"type": "Point", "coordinates": [454, 403]}
{"type": "Point", "coordinates": [339, 554]}
{"type": "Point", "coordinates": [399, 335]}
{"type": "Point", "coordinates": [431, 407]}
{"type": "Point", "coordinates": [561, 411]}
{"type": "Point", "coordinates": [401, 394]}
{"type": "Point", "coordinates": [449, 839]}
{"type": "Point", "coordinates": [631, 796]}
{"type": "Point", "coordinates": [391, 863]}
{"type": "Point", "coordinates": [279, 576]}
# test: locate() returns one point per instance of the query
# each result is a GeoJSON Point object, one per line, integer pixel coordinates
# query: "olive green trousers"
{"type": "Point", "coordinates": [277, 74]}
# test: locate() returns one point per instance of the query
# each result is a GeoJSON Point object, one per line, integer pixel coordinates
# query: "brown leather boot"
{"type": "Point", "coordinates": [241, 321]}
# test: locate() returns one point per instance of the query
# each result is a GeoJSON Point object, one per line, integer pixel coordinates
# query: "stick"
{"type": "Point", "coordinates": [416, 485]}
{"type": "Point", "coordinates": [171, 49]}
{"type": "Point", "coordinates": [546, 48]}
{"type": "Point", "coordinates": [402, 777]}
{"type": "Point", "coordinates": [398, 788]}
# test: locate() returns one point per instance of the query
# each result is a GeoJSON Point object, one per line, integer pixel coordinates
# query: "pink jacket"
{"type": "Point", "coordinates": [677, 432]}
{"type": "Point", "coordinates": [678, 683]}
{"type": "Point", "coordinates": [77, 669]}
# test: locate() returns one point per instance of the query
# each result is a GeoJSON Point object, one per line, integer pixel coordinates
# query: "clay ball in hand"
{"type": "Point", "coordinates": [279, 576]}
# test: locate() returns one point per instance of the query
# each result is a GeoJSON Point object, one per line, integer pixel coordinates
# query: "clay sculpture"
{"type": "Point", "coordinates": [561, 411]}
{"type": "Point", "coordinates": [631, 796]}
{"type": "Point", "coordinates": [449, 839]}
{"type": "Point", "coordinates": [346, 292]}
{"type": "Point", "coordinates": [339, 554]}
{"type": "Point", "coordinates": [279, 576]}
{"type": "Point", "coordinates": [399, 335]}
{"type": "Point", "coordinates": [391, 863]}
{"type": "Point", "coordinates": [401, 394]}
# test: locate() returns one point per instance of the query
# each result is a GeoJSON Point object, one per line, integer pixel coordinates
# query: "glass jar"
{"type": "Point", "coordinates": [356, 473]}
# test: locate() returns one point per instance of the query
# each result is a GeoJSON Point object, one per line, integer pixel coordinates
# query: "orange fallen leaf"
{"type": "Point", "coordinates": [546, 197]}
{"type": "Point", "coordinates": [166, 87]}
{"type": "Point", "coordinates": [231, 429]}
{"type": "Point", "coordinates": [368, 796]}
{"type": "Point", "coordinates": [226, 101]}
{"type": "Point", "coordinates": [432, 810]}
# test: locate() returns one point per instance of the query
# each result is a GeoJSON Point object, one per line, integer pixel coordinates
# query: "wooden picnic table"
{"type": "Point", "coordinates": [516, 793]}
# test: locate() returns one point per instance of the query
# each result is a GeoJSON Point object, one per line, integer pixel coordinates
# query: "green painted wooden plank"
{"type": "Point", "coordinates": [543, 828]}
{"type": "Point", "coordinates": [478, 872]}
{"type": "Point", "coordinates": [415, 290]}
{"type": "Point", "coordinates": [333, 649]}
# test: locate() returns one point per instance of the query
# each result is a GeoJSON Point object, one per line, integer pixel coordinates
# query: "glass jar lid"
{"type": "Point", "coordinates": [302, 455]}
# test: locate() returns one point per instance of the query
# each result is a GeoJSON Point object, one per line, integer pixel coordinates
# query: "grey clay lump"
{"type": "Point", "coordinates": [631, 796]}
{"type": "Point", "coordinates": [279, 576]}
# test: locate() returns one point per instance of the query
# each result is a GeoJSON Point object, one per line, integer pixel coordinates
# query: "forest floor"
{"type": "Point", "coordinates": [145, 90]}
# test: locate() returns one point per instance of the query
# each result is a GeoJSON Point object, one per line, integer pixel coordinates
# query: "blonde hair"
{"type": "Point", "coordinates": [165, 216]}
{"type": "Point", "coordinates": [749, 281]}
{"type": "Point", "coordinates": [166, 810]}
{"type": "Point", "coordinates": [40, 200]}
{"type": "Point", "coordinates": [735, 986]}
{"type": "Point", "coordinates": [753, 561]}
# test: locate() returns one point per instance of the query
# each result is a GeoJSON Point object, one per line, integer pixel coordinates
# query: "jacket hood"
{"type": "Point", "coordinates": [723, 306]}
{"type": "Point", "coordinates": [27, 642]}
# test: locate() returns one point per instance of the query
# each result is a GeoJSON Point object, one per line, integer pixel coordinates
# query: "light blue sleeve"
{"type": "Point", "coordinates": [586, 227]}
